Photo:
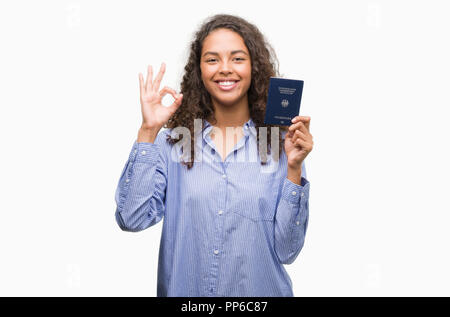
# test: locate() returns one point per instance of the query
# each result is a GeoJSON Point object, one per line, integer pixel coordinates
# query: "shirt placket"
{"type": "Point", "coordinates": [217, 248]}
{"type": "Point", "coordinates": [217, 251]}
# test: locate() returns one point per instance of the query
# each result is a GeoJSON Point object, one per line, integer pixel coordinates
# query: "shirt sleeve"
{"type": "Point", "coordinates": [140, 194]}
{"type": "Point", "coordinates": [291, 219]}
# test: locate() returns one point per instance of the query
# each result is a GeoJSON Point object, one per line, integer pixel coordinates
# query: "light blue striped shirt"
{"type": "Point", "coordinates": [229, 226]}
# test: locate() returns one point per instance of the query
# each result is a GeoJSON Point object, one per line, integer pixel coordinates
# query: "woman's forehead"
{"type": "Point", "coordinates": [223, 41]}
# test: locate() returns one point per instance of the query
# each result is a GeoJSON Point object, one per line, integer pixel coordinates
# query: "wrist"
{"type": "Point", "coordinates": [295, 165]}
{"type": "Point", "coordinates": [294, 174]}
{"type": "Point", "coordinates": [147, 134]}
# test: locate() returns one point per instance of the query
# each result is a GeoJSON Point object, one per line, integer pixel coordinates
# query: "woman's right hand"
{"type": "Point", "coordinates": [154, 114]}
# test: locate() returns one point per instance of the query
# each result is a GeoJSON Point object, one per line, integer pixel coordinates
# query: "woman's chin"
{"type": "Point", "coordinates": [227, 102]}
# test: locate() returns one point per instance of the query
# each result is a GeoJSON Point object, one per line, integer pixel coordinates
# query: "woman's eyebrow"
{"type": "Point", "coordinates": [232, 53]}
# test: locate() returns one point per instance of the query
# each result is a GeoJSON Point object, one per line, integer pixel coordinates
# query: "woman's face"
{"type": "Point", "coordinates": [226, 67]}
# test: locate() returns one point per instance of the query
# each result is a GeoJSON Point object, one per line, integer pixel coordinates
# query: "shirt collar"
{"type": "Point", "coordinates": [249, 127]}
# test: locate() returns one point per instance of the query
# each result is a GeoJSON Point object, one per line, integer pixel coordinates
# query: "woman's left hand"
{"type": "Point", "coordinates": [298, 141]}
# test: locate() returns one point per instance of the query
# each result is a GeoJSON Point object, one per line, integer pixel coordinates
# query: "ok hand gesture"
{"type": "Point", "coordinates": [154, 114]}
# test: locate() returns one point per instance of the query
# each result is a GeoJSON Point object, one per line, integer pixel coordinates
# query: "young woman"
{"type": "Point", "coordinates": [232, 215]}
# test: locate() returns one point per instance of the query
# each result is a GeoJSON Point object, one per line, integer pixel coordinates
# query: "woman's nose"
{"type": "Point", "coordinates": [225, 68]}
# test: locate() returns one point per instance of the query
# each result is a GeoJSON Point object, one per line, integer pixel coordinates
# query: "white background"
{"type": "Point", "coordinates": [376, 87]}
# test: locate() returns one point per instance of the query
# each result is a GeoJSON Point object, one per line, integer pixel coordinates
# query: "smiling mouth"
{"type": "Point", "coordinates": [227, 85]}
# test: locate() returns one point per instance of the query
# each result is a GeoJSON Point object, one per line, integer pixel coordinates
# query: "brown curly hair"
{"type": "Point", "coordinates": [197, 102]}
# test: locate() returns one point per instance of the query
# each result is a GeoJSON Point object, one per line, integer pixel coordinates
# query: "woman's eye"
{"type": "Point", "coordinates": [213, 59]}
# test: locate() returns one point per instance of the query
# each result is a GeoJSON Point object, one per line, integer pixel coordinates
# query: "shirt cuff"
{"type": "Point", "coordinates": [294, 193]}
{"type": "Point", "coordinates": [144, 152]}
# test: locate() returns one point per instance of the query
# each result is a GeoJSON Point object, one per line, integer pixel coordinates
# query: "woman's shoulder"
{"type": "Point", "coordinates": [161, 138]}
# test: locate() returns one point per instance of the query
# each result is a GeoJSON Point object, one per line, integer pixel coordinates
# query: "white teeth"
{"type": "Point", "coordinates": [226, 83]}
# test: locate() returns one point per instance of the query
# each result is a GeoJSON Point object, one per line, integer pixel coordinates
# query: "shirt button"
{"type": "Point", "coordinates": [302, 194]}
{"type": "Point", "coordinates": [216, 252]}
{"type": "Point", "coordinates": [135, 151]}
{"type": "Point", "coordinates": [245, 127]}
{"type": "Point", "coordinates": [294, 193]}
{"type": "Point", "coordinates": [220, 212]}
{"type": "Point", "coordinates": [143, 152]}
{"type": "Point", "coordinates": [127, 180]}
{"type": "Point", "coordinates": [298, 223]}
{"type": "Point", "coordinates": [224, 176]}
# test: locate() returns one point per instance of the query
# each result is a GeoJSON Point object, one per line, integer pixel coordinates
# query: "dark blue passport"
{"type": "Point", "coordinates": [283, 100]}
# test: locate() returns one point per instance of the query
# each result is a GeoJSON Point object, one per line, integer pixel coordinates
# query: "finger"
{"type": "Point", "coordinates": [177, 103]}
{"type": "Point", "coordinates": [159, 77]}
{"type": "Point", "coordinates": [148, 83]}
{"type": "Point", "coordinates": [300, 118]}
{"type": "Point", "coordinates": [301, 143]}
{"type": "Point", "coordinates": [289, 134]}
{"type": "Point", "coordinates": [295, 136]}
{"type": "Point", "coordinates": [305, 119]}
{"type": "Point", "coordinates": [307, 122]}
{"type": "Point", "coordinates": [167, 90]}
{"type": "Point", "coordinates": [300, 135]}
{"type": "Point", "coordinates": [305, 145]}
{"type": "Point", "coordinates": [177, 97]}
{"type": "Point", "coordinates": [141, 84]}
{"type": "Point", "coordinates": [298, 126]}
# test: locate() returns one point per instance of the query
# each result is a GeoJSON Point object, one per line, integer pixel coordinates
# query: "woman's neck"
{"type": "Point", "coordinates": [231, 116]}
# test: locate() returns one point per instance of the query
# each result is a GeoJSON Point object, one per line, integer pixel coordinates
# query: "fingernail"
{"type": "Point", "coordinates": [293, 120]}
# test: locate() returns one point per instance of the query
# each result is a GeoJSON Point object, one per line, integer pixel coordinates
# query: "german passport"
{"type": "Point", "coordinates": [283, 100]}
